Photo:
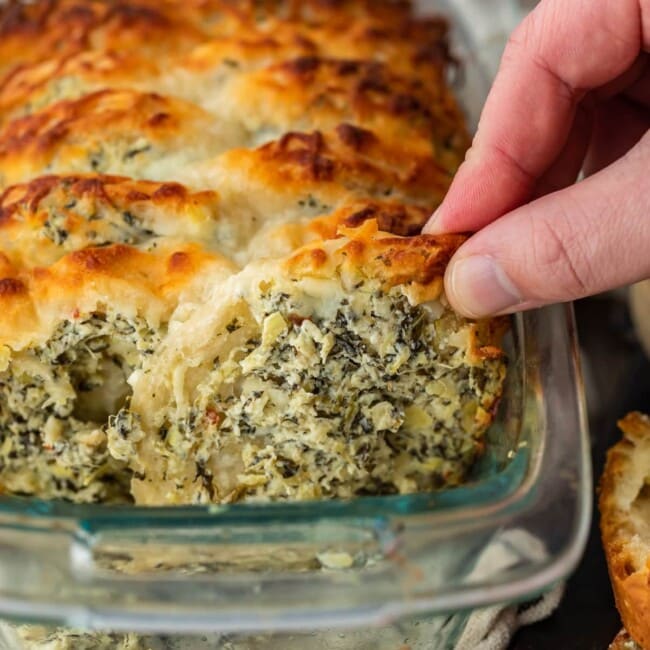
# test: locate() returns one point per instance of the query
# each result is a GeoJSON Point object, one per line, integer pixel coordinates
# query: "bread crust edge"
{"type": "Point", "coordinates": [631, 586]}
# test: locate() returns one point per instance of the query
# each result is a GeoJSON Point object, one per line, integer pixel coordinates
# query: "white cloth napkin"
{"type": "Point", "coordinates": [493, 628]}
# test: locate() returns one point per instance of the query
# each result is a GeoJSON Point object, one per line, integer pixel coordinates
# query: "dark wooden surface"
{"type": "Point", "coordinates": [618, 380]}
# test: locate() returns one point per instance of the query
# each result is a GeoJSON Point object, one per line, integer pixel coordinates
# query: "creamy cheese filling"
{"type": "Point", "coordinates": [364, 394]}
{"type": "Point", "coordinates": [54, 402]}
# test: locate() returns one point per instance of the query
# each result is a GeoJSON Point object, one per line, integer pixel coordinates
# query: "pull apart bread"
{"type": "Point", "coordinates": [625, 526]}
{"type": "Point", "coordinates": [212, 282]}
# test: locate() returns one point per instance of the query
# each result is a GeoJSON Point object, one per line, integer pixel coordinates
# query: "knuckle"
{"type": "Point", "coordinates": [560, 256]}
{"type": "Point", "coordinates": [640, 153]}
{"type": "Point", "coordinates": [503, 155]}
{"type": "Point", "coordinates": [535, 30]}
{"type": "Point", "coordinates": [517, 43]}
{"type": "Point", "coordinates": [531, 41]}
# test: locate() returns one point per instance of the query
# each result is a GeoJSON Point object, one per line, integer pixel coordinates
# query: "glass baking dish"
{"type": "Point", "coordinates": [308, 566]}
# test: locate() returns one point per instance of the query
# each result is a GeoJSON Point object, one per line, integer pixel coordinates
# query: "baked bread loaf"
{"type": "Point", "coordinates": [625, 524]}
{"type": "Point", "coordinates": [212, 281]}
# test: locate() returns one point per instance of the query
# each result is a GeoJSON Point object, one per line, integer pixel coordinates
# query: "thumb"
{"type": "Point", "coordinates": [588, 238]}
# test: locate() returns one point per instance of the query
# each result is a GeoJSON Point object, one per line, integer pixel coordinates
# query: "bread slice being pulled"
{"type": "Point", "coordinates": [338, 371]}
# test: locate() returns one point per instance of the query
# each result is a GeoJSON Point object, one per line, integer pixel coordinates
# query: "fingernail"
{"type": "Point", "coordinates": [480, 287]}
{"type": "Point", "coordinates": [430, 226]}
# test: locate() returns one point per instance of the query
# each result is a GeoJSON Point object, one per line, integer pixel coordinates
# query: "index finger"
{"type": "Point", "coordinates": [560, 52]}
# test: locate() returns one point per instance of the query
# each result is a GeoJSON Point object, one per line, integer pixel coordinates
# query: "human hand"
{"type": "Point", "coordinates": [573, 89]}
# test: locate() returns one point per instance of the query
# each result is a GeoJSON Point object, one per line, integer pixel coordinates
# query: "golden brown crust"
{"type": "Point", "coordinates": [316, 11]}
{"type": "Point", "coordinates": [377, 79]}
{"type": "Point", "coordinates": [297, 227]}
{"type": "Point", "coordinates": [51, 216]}
{"type": "Point", "coordinates": [418, 262]}
{"type": "Point", "coordinates": [348, 162]}
{"type": "Point", "coordinates": [163, 28]}
{"type": "Point", "coordinates": [309, 92]}
{"type": "Point", "coordinates": [622, 485]}
{"type": "Point", "coordinates": [34, 31]}
{"type": "Point", "coordinates": [391, 217]}
{"type": "Point", "coordinates": [27, 87]}
{"type": "Point", "coordinates": [324, 92]}
{"type": "Point", "coordinates": [127, 279]}
{"type": "Point", "coordinates": [120, 191]}
{"type": "Point", "coordinates": [43, 220]}
{"type": "Point", "coordinates": [414, 48]}
{"type": "Point", "coordinates": [106, 130]}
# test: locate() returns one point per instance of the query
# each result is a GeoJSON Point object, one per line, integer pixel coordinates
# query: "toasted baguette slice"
{"type": "Point", "coordinates": [623, 641]}
{"type": "Point", "coordinates": [625, 524]}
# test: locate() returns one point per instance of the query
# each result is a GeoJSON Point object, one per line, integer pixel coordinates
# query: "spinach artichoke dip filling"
{"type": "Point", "coordinates": [362, 394]}
{"type": "Point", "coordinates": [55, 399]}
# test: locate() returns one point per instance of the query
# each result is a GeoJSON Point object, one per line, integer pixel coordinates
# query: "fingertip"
{"type": "Point", "coordinates": [575, 242]}
{"type": "Point", "coordinates": [434, 225]}
{"type": "Point", "coordinates": [478, 287]}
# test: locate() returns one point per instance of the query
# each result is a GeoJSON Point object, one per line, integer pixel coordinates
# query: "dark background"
{"type": "Point", "coordinates": [617, 376]}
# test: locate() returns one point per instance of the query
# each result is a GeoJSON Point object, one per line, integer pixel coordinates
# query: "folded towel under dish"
{"type": "Point", "coordinates": [493, 628]}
